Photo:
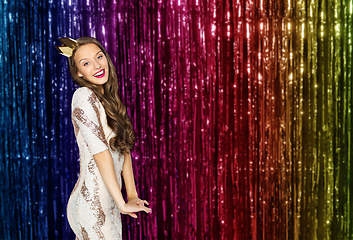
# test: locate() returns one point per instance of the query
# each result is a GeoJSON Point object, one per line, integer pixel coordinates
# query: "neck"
{"type": "Point", "coordinates": [101, 89]}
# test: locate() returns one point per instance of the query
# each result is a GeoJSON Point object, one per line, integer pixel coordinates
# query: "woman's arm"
{"type": "Point", "coordinates": [128, 176]}
{"type": "Point", "coordinates": [105, 165]}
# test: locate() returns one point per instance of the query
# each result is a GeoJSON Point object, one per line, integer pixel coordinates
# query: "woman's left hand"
{"type": "Point", "coordinates": [138, 201]}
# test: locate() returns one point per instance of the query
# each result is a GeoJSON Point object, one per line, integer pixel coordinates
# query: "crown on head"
{"type": "Point", "coordinates": [68, 45]}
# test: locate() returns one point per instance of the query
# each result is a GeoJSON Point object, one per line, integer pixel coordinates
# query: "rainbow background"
{"type": "Point", "coordinates": [242, 110]}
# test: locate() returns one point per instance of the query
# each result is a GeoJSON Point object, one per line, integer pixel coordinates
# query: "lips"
{"type": "Point", "coordinates": [99, 74]}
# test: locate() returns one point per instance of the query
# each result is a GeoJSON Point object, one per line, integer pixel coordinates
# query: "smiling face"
{"type": "Point", "coordinates": [92, 64]}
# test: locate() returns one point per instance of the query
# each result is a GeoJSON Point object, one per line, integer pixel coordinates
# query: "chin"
{"type": "Point", "coordinates": [103, 81]}
{"type": "Point", "coordinates": [98, 81]}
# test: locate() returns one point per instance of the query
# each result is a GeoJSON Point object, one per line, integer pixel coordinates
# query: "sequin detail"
{"type": "Point", "coordinates": [96, 208]}
{"type": "Point", "coordinates": [84, 234]}
{"type": "Point", "coordinates": [99, 210]}
{"type": "Point", "coordinates": [92, 99]}
{"type": "Point", "coordinates": [76, 128]}
{"type": "Point", "coordinates": [80, 115]}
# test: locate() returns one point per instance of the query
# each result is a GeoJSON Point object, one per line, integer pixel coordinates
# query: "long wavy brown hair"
{"type": "Point", "coordinates": [117, 117]}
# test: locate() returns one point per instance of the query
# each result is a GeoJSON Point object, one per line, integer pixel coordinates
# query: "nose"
{"type": "Point", "coordinates": [96, 65]}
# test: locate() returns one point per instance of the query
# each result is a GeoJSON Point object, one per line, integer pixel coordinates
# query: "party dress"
{"type": "Point", "coordinates": [91, 210]}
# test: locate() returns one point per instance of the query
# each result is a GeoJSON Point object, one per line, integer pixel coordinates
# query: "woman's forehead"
{"type": "Point", "coordinates": [87, 51]}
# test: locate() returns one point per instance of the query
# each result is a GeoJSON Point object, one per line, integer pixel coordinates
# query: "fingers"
{"type": "Point", "coordinates": [147, 210]}
{"type": "Point", "coordinates": [142, 202]}
{"type": "Point", "coordinates": [139, 201]}
{"type": "Point", "coordinates": [133, 215]}
{"type": "Point", "coordinates": [143, 208]}
{"type": "Point", "coordinates": [137, 206]}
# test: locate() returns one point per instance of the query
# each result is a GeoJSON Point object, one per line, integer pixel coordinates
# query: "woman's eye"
{"type": "Point", "coordinates": [99, 57]}
{"type": "Point", "coordinates": [85, 64]}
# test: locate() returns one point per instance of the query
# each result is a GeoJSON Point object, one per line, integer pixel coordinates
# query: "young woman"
{"type": "Point", "coordinates": [105, 137]}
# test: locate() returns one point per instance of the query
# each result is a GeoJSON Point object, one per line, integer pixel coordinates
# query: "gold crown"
{"type": "Point", "coordinates": [68, 45]}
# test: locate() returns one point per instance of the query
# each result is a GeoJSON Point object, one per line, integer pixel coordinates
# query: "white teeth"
{"type": "Point", "coordinates": [98, 74]}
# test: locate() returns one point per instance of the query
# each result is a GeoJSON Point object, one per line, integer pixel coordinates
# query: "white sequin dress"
{"type": "Point", "coordinates": [91, 210]}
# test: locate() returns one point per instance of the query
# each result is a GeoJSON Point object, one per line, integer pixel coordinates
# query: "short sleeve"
{"type": "Point", "coordinates": [86, 110]}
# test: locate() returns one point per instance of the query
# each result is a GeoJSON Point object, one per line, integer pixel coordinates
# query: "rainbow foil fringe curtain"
{"type": "Point", "coordinates": [242, 111]}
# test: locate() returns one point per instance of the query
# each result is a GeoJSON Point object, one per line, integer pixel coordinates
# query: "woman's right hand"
{"type": "Point", "coordinates": [130, 208]}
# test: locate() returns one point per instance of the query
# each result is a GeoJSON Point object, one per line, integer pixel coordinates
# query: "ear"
{"type": "Point", "coordinates": [79, 74]}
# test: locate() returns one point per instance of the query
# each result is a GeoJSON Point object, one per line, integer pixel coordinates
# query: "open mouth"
{"type": "Point", "coordinates": [99, 74]}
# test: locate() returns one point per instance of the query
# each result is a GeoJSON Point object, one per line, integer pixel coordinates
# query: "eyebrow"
{"type": "Point", "coordinates": [86, 58]}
